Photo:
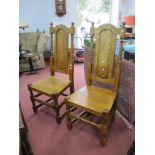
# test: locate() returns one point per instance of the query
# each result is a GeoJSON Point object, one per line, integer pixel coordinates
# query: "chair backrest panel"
{"type": "Point", "coordinates": [61, 59]}
{"type": "Point", "coordinates": [61, 48]}
{"type": "Point", "coordinates": [105, 48]}
{"type": "Point", "coordinates": [102, 68]}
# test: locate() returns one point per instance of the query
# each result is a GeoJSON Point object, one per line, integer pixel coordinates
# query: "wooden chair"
{"type": "Point", "coordinates": [61, 60]}
{"type": "Point", "coordinates": [92, 99]}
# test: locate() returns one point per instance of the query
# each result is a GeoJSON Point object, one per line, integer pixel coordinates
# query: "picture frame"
{"type": "Point", "coordinates": [60, 7]}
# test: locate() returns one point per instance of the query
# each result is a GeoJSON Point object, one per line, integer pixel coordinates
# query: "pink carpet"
{"type": "Point", "coordinates": [48, 138]}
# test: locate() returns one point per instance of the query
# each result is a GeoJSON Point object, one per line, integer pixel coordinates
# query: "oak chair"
{"type": "Point", "coordinates": [92, 99]}
{"type": "Point", "coordinates": [61, 60]}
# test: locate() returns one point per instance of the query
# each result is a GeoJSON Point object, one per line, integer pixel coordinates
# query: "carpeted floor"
{"type": "Point", "coordinates": [48, 138]}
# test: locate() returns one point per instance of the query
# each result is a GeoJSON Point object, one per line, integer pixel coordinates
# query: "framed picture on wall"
{"type": "Point", "coordinates": [60, 7]}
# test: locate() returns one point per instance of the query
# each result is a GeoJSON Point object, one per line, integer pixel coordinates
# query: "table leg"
{"type": "Point", "coordinates": [32, 71]}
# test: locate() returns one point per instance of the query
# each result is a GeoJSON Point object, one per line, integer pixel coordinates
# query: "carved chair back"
{"type": "Point", "coordinates": [101, 68]}
{"type": "Point", "coordinates": [61, 59]}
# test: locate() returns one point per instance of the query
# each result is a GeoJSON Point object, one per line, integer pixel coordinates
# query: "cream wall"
{"type": "Point", "coordinates": [127, 7]}
{"type": "Point", "coordinates": [40, 13]}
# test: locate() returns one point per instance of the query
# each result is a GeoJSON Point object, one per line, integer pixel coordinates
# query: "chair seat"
{"type": "Point", "coordinates": [93, 99]}
{"type": "Point", "coordinates": [50, 85]}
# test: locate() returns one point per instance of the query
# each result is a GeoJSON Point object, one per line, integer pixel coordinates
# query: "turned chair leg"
{"type": "Point", "coordinates": [57, 110]}
{"type": "Point", "coordinates": [113, 118]}
{"type": "Point", "coordinates": [33, 105]}
{"type": "Point", "coordinates": [69, 118]}
{"type": "Point", "coordinates": [104, 138]}
{"type": "Point", "coordinates": [71, 89]}
{"type": "Point", "coordinates": [113, 114]}
{"type": "Point", "coordinates": [32, 100]}
{"type": "Point", "coordinates": [104, 129]}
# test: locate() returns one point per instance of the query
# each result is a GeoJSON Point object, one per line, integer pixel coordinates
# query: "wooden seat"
{"type": "Point", "coordinates": [51, 85]}
{"type": "Point", "coordinates": [95, 100]}
{"type": "Point", "coordinates": [61, 60]}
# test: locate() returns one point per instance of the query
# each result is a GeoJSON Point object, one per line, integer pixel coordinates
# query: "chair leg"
{"type": "Point", "coordinates": [104, 139]}
{"type": "Point", "coordinates": [71, 89]}
{"type": "Point", "coordinates": [104, 129]}
{"type": "Point", "coordinates": [131, 150]}
{"type": "Point", "coordinates": [113, 117]}
{"type": "Point", "coordinates": [32, 100]}
{"type": "Point", "coordinates": [69, 118]}
{"type": "Point", "coordinates": [57, 109]}
{"type": "Point", "coordinates": [113, 113]}
{"type": "Point", "coordinates": [33, 105]}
